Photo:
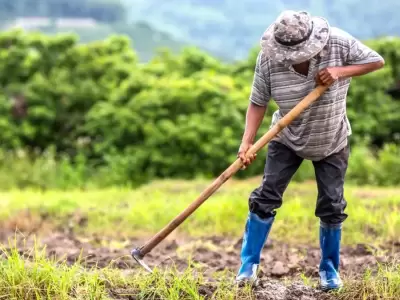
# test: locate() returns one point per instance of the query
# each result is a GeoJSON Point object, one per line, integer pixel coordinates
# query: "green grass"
{"type": "Point", "coordinates": [383, 284]}
{"type": "Point", "coordinates": [43, 278]}
{"type": "Point", "coordinates": [373, 218]}
{"type": "Point", "coordinates": [373, 212]}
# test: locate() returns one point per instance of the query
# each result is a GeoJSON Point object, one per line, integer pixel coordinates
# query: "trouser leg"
{"type": "Point", "coordinates": [330, 173]}
{"type": "Point", "coordinates": [281, 164]}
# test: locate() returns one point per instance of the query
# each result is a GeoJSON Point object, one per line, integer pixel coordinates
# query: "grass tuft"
{"type": "Point", "coordinates": [382, 283]}
{"type": "Point", "coordinates": [31, 275]}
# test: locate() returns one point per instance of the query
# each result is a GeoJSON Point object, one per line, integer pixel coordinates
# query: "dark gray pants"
{"type": "Point", "coordinates": [282, 163]}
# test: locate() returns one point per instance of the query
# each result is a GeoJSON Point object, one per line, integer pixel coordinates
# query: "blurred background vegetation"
{"type": "Point", "coordinates": [104, 92]}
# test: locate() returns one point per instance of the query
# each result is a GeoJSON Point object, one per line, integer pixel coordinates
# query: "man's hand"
{"type": "Point", "coordinates": [244, 147]}
{"type": "Point", "coordinates": [328, 76]}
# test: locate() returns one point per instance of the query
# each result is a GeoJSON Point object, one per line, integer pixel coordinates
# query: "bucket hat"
{"type": "Point", "coordinates": [295, 37]}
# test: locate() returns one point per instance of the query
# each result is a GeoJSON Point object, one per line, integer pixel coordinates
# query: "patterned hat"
{"type": "Point", "coordinates": [295, 37]}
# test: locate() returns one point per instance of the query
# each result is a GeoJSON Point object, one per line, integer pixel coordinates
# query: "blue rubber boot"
{"type": "Point", "coordinates": [330, 236]}
{"type": "Point", "coordinates": [255, 235]}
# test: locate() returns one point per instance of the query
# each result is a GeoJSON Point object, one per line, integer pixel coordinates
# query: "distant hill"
{"type": "Point", "coordinates": [234, 26]}
{"type": "Point", "coordinates": [90, 19]}
{"type": "Point", "coordinates": [146, 40]}
{"type": "Point", "coordinates": [106, 11]}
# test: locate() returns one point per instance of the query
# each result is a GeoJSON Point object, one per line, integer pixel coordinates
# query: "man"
{"type": "Point", "coordinates": [299, 51]}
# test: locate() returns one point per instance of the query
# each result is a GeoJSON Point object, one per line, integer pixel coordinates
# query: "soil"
{"type": "Point", "coordinates": [279, 261]}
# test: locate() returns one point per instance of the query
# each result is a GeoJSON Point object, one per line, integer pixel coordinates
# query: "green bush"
{"type": "Point", "coordinates": [20, 170]}
{"type": "Point", "coordinates": [114, 120]}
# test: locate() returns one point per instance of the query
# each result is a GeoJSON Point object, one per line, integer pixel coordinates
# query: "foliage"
{"type": "Point", "coordinates": [109, 17]}
{"type": "Point", "coordinates": [235, 26]}
{"type": "Point", "coordinates": [145, 39]}
{"type": "Point", "coordinates": [176, 116]}
{"type": "Point", "coordinates": [49, 170]}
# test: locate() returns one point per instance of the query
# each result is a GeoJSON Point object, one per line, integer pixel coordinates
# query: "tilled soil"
{"type": "Point", "coordinates": [214, 254]}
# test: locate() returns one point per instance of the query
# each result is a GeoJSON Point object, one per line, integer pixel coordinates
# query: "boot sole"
{"type": "Point", "coordinates": [331, 289]}
{"type": "Point", "coordinates": [251, 283]}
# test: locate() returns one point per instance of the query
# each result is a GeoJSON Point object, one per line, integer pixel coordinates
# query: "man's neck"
{"type": "Point", "coordinates": [302, 68]}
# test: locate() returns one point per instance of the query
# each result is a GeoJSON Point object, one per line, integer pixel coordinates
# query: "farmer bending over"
{"type": "Point", "coordinates": [299, 51]}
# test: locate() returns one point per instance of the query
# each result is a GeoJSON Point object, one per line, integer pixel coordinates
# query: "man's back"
{"type": "Point", "coordinates": [323, 128]}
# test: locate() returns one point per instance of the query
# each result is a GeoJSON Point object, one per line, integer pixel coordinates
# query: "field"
{"type": "Point", "coordinates": [79, 120]}
{"type": "Point", "coordinates": [76, 244]}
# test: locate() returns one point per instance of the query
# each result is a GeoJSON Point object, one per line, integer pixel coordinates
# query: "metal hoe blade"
{"type": "Point", "coordinates": [137, 255]}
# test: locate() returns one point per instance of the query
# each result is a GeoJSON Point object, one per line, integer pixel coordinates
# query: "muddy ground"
{"type": "Point", "coordinates": [279, 261]}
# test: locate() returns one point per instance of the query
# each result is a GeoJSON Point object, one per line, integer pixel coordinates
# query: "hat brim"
{"type": "Point", "coordinates": [298, 53]}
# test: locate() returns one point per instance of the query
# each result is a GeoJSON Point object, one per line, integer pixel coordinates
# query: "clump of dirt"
{"type": "Point", "coordinates": [267, 289]}
{"type": "Point", "coordinates": [275, 290]}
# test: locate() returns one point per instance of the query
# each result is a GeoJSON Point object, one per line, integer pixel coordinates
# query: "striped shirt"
{"type": "Point", "coordinates": [323, 128]}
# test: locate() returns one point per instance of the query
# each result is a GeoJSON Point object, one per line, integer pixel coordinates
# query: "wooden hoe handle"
{"type": "Point", "coordinates": [232, 169]}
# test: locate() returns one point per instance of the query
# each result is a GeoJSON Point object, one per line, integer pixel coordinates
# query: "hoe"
{"type": "Point", "coordinates": [139, 253]}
